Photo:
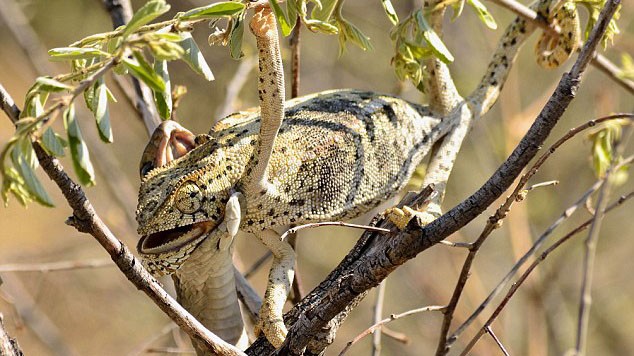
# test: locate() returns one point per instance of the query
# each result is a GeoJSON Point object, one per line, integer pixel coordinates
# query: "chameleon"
{"type": "Point", "coordinates": [328, 156]}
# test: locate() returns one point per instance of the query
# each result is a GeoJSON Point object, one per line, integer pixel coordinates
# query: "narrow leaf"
{"type": "Point", "coordinates": [163, 99]}
{"type": "Point", "coordinates": [52, 143]}
{"type": "Point", "coordinates": [324, 13]}
{"type": "Point", "coordinates": [78, 149]}
{"type": "Point", "coordinates": [102, 114]}
{"type": "Point", "coordinates": [142, 70]}
{"type": "Point", "coordinates": [213, 11]}
{"type": "Point", "coordinates": [281, 18]}
{"type": "Point", "coordinates": [151, 10]}
{"type": "Point", "coordinates": [483, 13]}
{"type": "Point", "coordinates": [194, 58]}
{"type": "Point", "coordinates": [235, 39]}
{"type": "Point", "coordinates": [51, 85]}
{"type": "Point", "coordinates": [433, 40]}
{"type": "Point", "coordinates": [19, 156]}
{"type": "Point", "coordinates": [74, 53]}
{"type": "Point", "coordinates": [389, 10]}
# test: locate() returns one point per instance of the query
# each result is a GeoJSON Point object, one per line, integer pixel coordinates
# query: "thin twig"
{"type": "Point", "coordinates": [248, 296]}
{"type": "Point", "coordinates": [234, 86]}
{"type": "Point", "coordinates": [518, 194]}
{"type": "Point", "coordinates": [295, 41]}
{"type": "Point", "coordinates": [378, 316]}
{"type": "Point", "coordinates": [392, 317]}
{"type": "Point", "coordinates": [497, 341]}
{"type": "Point", "coordinates": [590, 253]}
{"type": "Point", "coordinates": [333, 223]}
{"type": "Point", "coordinates": [8, 345]}
{"type": "Point", "coordinates": [170, 350]}
{"type": "Point", "coordinates": [145, 345]}
{"type": "Point", "coordinates": [257, 264]}
{"type": "Point", "coordinates": [31, 314]}
{"type": "Point", "coordinates": [395, 335]}
{"type": "Point", "coordinates": [55, 266]}
{"type": "Point", "coordinates": [533, 265]}
{"type": "Point", "coordinates": [468, 245]}
{"type": "Point", "coordinates": [598, 60]}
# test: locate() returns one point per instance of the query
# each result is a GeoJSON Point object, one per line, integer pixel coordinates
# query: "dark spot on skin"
{"type": "Point", "coordinates": [218, 211]}
{"type": "Point", "coordinates": [250, 222]}
{"type": "Point", "coordinates": [261, 221]}
{"type": "Point", "coordinates": [213, 198]}
{"type": "Point", "coordinates": [292, 219]}
{"type": "Point", "coordinates": [271, 212]}
{"type": "Point", "coordinates": [260, 206]}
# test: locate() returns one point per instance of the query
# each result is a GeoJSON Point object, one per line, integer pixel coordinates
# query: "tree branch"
{"type": "Point", "coordinates": [8, 345]}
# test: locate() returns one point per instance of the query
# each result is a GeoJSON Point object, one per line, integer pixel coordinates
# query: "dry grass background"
{"type": "Point", "coordinates": [97, 312]}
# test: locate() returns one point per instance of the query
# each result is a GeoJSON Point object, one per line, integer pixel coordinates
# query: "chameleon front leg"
{"type": "Point", "coordinates": [271, 322]}
{"type": "Point", "coordinates": [271, 93]}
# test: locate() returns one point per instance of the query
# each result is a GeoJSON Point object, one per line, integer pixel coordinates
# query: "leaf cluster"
{"type": "Point", "coordinates": [140, 49]}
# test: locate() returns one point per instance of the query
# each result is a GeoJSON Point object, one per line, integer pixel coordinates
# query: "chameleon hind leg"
{"type": "Point", "coordinates": [439, 169]}
{"type": "Point", "coordinates": [271, 322]}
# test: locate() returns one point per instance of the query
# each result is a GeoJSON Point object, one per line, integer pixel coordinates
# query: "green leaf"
{"type": "Point", "coordinates": [51, 85]}
{"type": "Point", "coordinates": [151, 10]}
{"type": "Point", "coordinates": [235, 39]}
{"type": "Point", "coordinates": [194, 58]}
{"type": "Point", "coordinates": [324, 13]}
{"type": "Point", "coordinates": [14, 183]}
{"type": "Point", "coordinates": [78, 149]}
{"type": "Point", "coordinates": [483, 13]}
{"type": "Point", "coordinates": [23, 157]}
{"type": "Point", "coordinates": [389, 11]}
{"type": "Point", "coordinates": [102, 114]}
{"type": "Point", "coordinates": [142, 70]}
{"type": "Point", "coordinates": [52, 143]}
{"type": "Point", "coordinates": [457, 7]}
{"type": "Point", "coordinates": [357, 37]}
{"type": "Point", "coordinates": [436, 44]}
{"type": "Point", "coordinates": [163, 99]}
{"type": "Point", "coordinates": [215, 10]}
{"type": "Point", "coordinates": [74, 53]}
{"type": "Point", "coordinates": [324, 27]}
{"type": "Point", "coordinates": [281, 18]}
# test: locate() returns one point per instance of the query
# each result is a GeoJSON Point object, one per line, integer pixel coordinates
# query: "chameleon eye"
{"type": "Point", "coordinates": [146, 168]}
{"type": "Point", "coordinates": [188, 198]}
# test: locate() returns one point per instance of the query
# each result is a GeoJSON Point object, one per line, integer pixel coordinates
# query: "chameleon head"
{"type": "Point", "coordinates": [181, 202]}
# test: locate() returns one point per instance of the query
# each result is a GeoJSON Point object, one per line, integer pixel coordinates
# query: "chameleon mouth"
{"type": "Point", "coordinates": [174, 239]}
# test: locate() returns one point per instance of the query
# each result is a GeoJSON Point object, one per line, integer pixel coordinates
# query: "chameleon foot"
{"type": "Point", "coordinates": [274, 329]}
{"type": "Point", "coordinates": [401, 217]}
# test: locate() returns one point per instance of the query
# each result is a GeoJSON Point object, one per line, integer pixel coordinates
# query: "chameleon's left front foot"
{"type": "Point", "coordinates": [273, 328]}
{"type": "Point", "coordinates": [402, 217]}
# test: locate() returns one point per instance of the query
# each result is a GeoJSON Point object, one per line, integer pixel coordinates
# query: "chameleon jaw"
{"type": "Point", "coordinates": [171, 240]}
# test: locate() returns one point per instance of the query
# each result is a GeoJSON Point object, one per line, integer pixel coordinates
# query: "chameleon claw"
{"type": "Point", "coordinates": [402, 217]}
{"type": "Point", "coordinates": [231, 222]}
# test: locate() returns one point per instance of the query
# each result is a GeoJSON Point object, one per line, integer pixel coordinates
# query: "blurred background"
{"type": "Point", "coordinates": [96, 311]}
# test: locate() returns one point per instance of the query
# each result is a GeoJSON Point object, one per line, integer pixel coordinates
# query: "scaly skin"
{"type": "Point", "coordinates": [336, 155]}
{"type": "Point", "coordinates": [206, 288]}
